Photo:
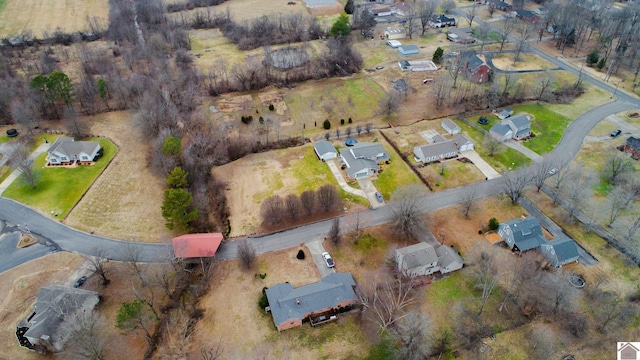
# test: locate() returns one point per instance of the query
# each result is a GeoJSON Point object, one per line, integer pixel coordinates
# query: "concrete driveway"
{"type": "Point", "coordinates": [316, 249]}
{"type": "Point", "coordinates": [488, 171]}
{"type": "Point", "coordinates": [7, 149]}
{"type": "Point", "coordinates": [370, 192]}
{"type": "Point", "coordinates": [341, 181]}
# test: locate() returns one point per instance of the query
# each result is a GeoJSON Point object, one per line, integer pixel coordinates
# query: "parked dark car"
{"type": "Point", "coordinates": [80, 281]}
{"type": "Point", "coordinates": [615, 133]}
{"type": "Point", "coordinates": [483, 121]}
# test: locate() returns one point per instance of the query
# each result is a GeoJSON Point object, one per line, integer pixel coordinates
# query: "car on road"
{"type": "Point", "coordinates": [379, 196]}
{"type": "Point", "coordinates": [552, 171]}
{"type": "Point", "coordinates": [80, 281]}
{"type": "Point", "coordinates": [379, 67]}
{"type": "Point", "coordinates": [615, 133]}
{"type": "Point", "coordinates": [483, 120]}
{"type": "Point", "coordinates": [328, 260]}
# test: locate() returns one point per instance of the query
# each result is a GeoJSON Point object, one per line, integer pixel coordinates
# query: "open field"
{"type": "Point", "coordinates": [526, 61]}
{"type": "Point", "coordinates": [242, 10]}
{"type": "Point", "coordinates": [38, 17]}
{"type": "Point", "coordinates": [19, 288]}
{"type": "Point", "coordinates": [49, 196]}
{"type": "Point", "coordinates": [119, 204]}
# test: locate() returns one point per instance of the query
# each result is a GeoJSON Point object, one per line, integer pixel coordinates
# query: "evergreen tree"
{"type": "Point", "coordinates": [341, 27]}
{"type": "Point", "coordinates": [175, 210]}
{"type": "Point", "coordinates": [437, 55]}
{"type": "Point", "coordinates": [177, 178]}
{"type": "Point", "coordinates": [350, 7]}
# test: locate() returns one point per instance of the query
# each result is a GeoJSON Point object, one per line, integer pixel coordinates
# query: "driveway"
{"type": "Point", "coordinates": [370, 192]}
{"type": "Point", "coordinates": [316, 249]}
{"type": "Point", "coordinates": [488, 171]}
{"type": "Point", "coordinates": [7, 149]}
{"type": "Point", "coordinates": [523, 150]}
{"type": "Point", "coordinates": [342, 182]}
{"type": "Point", "coordinates": [14, 175]}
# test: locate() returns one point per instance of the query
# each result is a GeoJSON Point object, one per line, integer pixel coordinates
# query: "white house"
{"type": "Point", "coordinates": [67, 151]}
{"type": "Point", "coordinates": [423, 259]}
{"type": "Point", "coordinates": [450, 127]}
{"type": "Point", "coordinates": [363, 159]}
{"type": "Point", "coordinates": [443, 149]}
{"type": "Point", "coordinates": [417, 260]}
{"type": "Point", "coordinates": [394, 34]}
{"type": "Point", "coordinates": [325, 150]}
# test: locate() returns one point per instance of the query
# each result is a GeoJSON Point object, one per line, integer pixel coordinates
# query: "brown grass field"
{"type": "Point", "coordinates": [241, 10]}
{"type": "Point", "coordinates": [124, 202]}
{"type": "Point", "coordinates": [39, 16]}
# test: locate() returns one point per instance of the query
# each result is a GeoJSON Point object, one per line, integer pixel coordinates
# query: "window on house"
{"type": "Point", "coordinates": [84, 157]}
{"type": "Point", "coordinates": [63, 158]}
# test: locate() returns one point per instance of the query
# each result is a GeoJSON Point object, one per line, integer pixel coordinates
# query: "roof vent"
{"type": "Point", "coordinates": [298, 302]}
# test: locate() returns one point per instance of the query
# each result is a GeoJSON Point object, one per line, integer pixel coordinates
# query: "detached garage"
{"type": "Point", "coordinates": [407, 50]}
{"type": "Point", "coordinates": [325, 150]}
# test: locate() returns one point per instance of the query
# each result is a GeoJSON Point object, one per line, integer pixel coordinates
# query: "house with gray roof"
{"type": "Point", "coordinates": [57, 309]}
{"type": "Point", "coordinates": [560, 252]}
{"type": "Point", "coordinates": [448, 259]}
{"type": "Point", "coordinates": [363, 159]}
{"type": "Point", "coordinates": [66, 151]}
{"type": "Point", "coordinates": [290, 306]}
{"type": "Point", "coordinates": [522, 234]}
{"type": "Point", "coordinates": [417, 260]}
{"type": "Point", "coordinates": [325, 150]}
{"type": "Point", "coordinates": [505, 113]}
{"type": "Point", "coordinates": [408, 50]}
{"type": "Point", "coordinates": [441, 149]}
{"type": "Point", "coordinates": [450, 127]}
{"type": "Point", "coordinates": [424, 259]}
{"type": "Point", "coordinates": [514, 127]}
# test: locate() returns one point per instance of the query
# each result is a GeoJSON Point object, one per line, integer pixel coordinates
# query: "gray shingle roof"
{"type": "Point", "coordinates": [437, 149]}
{"type": "Point", "coordinates": [565, 248]}
{"type": "Point", "coordinates": [418, 255]}
{"type": "Point", "coordinates": [448, 256]}
{"type": "Point", "coordinates": [527, 233]}
{"type": "Point", "coordinates": [500, 129]}
{"type": "Point", "coordinates": [473, 61]}
{"type": "Point", "coordinates": [330, 291]}
{"type": "Point", "coordinates": [634, 143]}
{"type": "Point", "coordinates": [520, 121]}
{"type": "Point", "coordinates": [324, 147]}
{"type": "Point", "coordinates": [70, 148]}
{"type": "Point", "coordinates": [449, 124]}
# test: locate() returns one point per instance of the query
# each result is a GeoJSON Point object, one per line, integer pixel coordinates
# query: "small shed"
{"type": "Point", "coordinates": [325, 150]}
{"type": "Point", "coordinates": [408, 50]}
{"type": "Point", "coordinates": [505, 113]}
{"type": "Point", "coordinates": [394, 43]}
{"type": "Point", "coordinates": [450, 127]}
{"type": "Point", "coordinates": [394, 34]}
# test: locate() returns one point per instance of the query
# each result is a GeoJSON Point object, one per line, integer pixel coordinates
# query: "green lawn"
{"type": "Point", "coordinates": [501, 160]}
{"type": "Point", "coordinates": [59, 189]}
{"type": "Point", "coordinates": [394, 176]}
{"type": "Point", "coordinates": [449, 290]}
{"type": "Point", "coordinates": [547, 125]}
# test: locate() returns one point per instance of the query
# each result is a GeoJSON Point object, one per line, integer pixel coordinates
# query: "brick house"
{"type": "Point", "coordinates": [632, 147]}
{"type": "Point", "coordinates": [474, 68]}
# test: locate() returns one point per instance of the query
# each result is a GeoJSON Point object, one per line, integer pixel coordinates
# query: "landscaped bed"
{"type": "Point", "coordinates": [59, 189]}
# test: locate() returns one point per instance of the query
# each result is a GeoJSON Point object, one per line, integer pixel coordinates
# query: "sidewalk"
{"type": "Point", "coordinates": [343, 184]}
{"type": "Point", "coordinates": [16, 173]}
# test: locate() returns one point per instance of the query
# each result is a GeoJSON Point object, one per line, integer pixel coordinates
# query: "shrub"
{"type": "Point", "coordinates": [593, 58]}
{"type": "Point", "coordinates": [263, 302]}
{"type": "Point", "coordinates": [350, 120]}
{"type": "Point", "coordinates": [300, 255]}
{"type": "Point", "coordinates": [601, 63]}
{"type": "Point", "coordinates": [493, 223]}
{"type": "Point", "coordinates": [341, 121]}
{"type": "Point", "coordinates": [326, 124]}
{"type": "Point", "coordinates": [271, 107]}
{"type": "Point", "coordinates": [246, 119]}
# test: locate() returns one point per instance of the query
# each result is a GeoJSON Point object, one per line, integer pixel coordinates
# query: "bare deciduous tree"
{"type": "Point", "coordinates": [485, 269]}
{"type": "Point", "coordinates": [132, 255]}
{"type": "Point", "coordinates": [426, 10]}
{"type": "Point", "coordinates": [413, 334]}
{"type": "Point", "coordinates": [493, 145]}
{"type": "Point", "coordinates": [22, 162]}
{"type": "Point", "coordinates": [469, 196]}
{"type": "Point", "coordinates": [616, 167]}
{"type": "Point", "coordinates": [406, 220]}
{"type": "Point", "coordinates": [87, 340]}
{"type": "Point", "coordinates": [513, 184]}
{"type": "Point", "coordinates": [543, 83]}
{"type": "Point", "coordinates": [273, 210]}
{"type": "Point", "coordinates": [246, 253]}
{"type": "Point", "coordinates": [559, 294]}
{"type": "Point", "coordinates": [293, 205]}
{"type": "Point", "coordinates": [470, 329]}
{"type": "Point", "coordinates": [308, 199]}
{"type": "Point", "coordinates": [470, 14]}
{"type": "Point", "coordinates": [386, 302]}
{"type": "Point", "coordinates": [390, 103]}
{"type": "Point", "coordinates": [328, 197]}
{"type": "Point", "coordinates": [508, 25]}
{"type": "Point", "coordinates": [97, 262]}
{"type": "Point", "coordinates": [334, 231]}
{"type": "Point", "coordinates": [543, 343]}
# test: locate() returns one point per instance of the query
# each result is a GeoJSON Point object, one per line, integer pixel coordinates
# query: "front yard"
{"type": "Point", "coordinates": [59, 189]}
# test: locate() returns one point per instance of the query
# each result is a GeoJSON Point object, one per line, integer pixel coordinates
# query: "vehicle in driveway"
{"type": "Point", "coordinates": [328, 260]}
{"type": "Point", "coordinates": [483, 121]}
{"type": "Point", "coordinates": [80, 281]}
{"type": "Point", "coordinates": [379, 196]}
{"type": "Point", "coordinates": [615, 133]}
{"type": "Point", "coordinates": [553, 171]}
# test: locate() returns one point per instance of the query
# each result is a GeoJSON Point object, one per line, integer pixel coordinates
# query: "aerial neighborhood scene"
{"type": "Point", "coordinates": [320, 179]}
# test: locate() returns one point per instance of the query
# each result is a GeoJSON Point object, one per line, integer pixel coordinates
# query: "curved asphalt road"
{"type": "Point", "coordinates": [54, 236]}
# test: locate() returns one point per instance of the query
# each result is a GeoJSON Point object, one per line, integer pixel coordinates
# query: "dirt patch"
{"type": "Point", "coordinates": [19, 288]}
{"type": "Point", "coordinates": [526, 62]}
{"type": "Point", "coordinates": [273, 98]}
{"type": "Point", "coordinates": [40, 16]}
{"type": "Point", "coordinates": [26, 240]}
{"type": "Point", "coordinates": [125, 201]}
{"type": "Point", "coordinates": [235, 103]}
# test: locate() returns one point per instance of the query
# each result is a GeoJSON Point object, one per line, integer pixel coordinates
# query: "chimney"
{"type": "Point", "coordinates": [298, 302]}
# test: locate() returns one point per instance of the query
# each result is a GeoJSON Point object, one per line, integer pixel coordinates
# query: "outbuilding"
{"type": "Point", "coordinates": [408, 50]}
{"type": "Point", "coordinates": [325, 150]}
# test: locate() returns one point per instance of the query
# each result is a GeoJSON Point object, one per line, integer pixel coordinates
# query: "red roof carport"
{"type": "Point", "coordinates": [196, 245]}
